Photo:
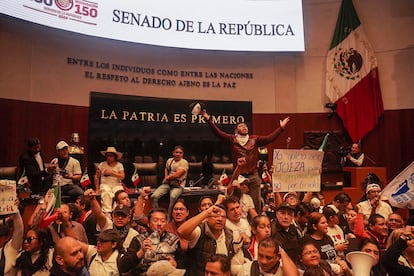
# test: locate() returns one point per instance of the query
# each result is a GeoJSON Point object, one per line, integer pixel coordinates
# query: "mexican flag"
{"type": "Point", "coordinates": [265, 178]}
{"type": "Point", "coordinates": [224, 179]}
{"type": "Point", "coordinates": [135, 178]}
{"type": "Point", "coordinates": [352, 75]}
{"type": "Point", "coordinates": [85, 180]}
{"type": "Point", "coordinates": [23, 180]}
{"type": "Point", "coordinates": [54, 202]}
{"type": "Point", "coordinates": [324, 142]}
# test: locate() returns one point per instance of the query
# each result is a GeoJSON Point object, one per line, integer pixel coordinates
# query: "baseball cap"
{"type": "Point", "coordinates": [241, 179]}
{"type": "Point", "coordinates": [61, 145]}
{"type": "Point", "coordinates": [122, 209]}
{"type": "Point", "coordinates": [284, 205]}
{"type": "Point", "coordinates": [164, 267]}
{"type": "Point", "coordinates": [289, 194]}
{"type": "Point", "coordinates": [109, 235]}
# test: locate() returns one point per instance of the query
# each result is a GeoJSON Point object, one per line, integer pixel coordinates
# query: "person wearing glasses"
{"type": "Point", "coordinates": [180, 214]}
{"type": "Point", "coordinates": [37, 255]}
{"type": "Point", "coordinates": [310, 256]}
{"type": "Point", "coordinates": [104, 261]}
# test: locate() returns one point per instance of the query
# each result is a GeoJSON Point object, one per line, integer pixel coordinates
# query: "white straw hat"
{"type": "Point", "coordinates": [112, 150]}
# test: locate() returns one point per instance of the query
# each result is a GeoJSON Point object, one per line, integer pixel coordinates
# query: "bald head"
{"type": "Point", "coordinates": [69, 255]}
{"type": "Point", "coordinates": [63, 244]}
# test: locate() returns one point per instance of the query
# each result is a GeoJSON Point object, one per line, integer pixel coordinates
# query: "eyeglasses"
{"type": "Point", "coordinates": [310, 252]}
{"type": "Point", "coordinates": [101, 241]}
{"type": "Point", "coordinates": [29, 239]}
{"type": "Point", "coordinates": [182, 209]}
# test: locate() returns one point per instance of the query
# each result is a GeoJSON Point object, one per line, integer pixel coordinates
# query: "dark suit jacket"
{"type": "Point", "coordinates": [39, 179]}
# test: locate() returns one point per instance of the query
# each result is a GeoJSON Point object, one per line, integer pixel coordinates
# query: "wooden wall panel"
{"type": "Point", "coordinates": [390, 144]}
{"type": "Point", "coordinates": [49, 122]}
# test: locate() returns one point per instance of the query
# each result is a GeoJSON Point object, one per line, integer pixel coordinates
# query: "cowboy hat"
{"type": "Point", "coordinates": [113, 151]}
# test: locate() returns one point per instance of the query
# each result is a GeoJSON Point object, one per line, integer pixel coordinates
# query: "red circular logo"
{"type": "Point", "coordinates": [64, 5]}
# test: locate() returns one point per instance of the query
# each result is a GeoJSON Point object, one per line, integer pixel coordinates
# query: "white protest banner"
{"type": "Point", "coordinates": [7, 197]}
{"type": "Point", "coordinates": [400, 191]}
{"type": "Point", "coordinates": [297, 170]}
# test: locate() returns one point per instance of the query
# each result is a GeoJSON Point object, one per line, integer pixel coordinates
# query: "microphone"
{"type": "Point", "coordinates": [288, 140]}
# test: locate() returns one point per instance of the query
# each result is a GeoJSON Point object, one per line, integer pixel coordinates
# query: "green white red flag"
{"type": "Point", "coordinates": [352, 75]}
{"type": "Point", "coordinates": [224, 178]}
{"type": "Point", "coordinates": [135, 178]}
{"type": "Point", "coordinates": [23, 180]}
{"type": "Point", "coordinates": [54, 196]}
{"type": "Point", "coordinates": [85, 180]}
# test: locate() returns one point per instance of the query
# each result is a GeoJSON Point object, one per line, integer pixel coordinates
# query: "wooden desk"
{"type": "Point", "coordinates": [358, 174]}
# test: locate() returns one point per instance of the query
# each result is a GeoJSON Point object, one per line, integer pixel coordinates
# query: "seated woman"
{"type": "Point", "coordinates": [109, 175]}
{"type": "Point", "coordinates": [37, 255]}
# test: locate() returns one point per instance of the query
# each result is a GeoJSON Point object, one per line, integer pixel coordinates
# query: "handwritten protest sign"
{"type": "Point", "coordinates": [7, 197]}
{"type": "Point", "coordinates": [297, 170]}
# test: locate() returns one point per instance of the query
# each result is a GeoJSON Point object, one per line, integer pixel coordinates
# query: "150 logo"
{"type": "Point", "coordinates": [78, 10]}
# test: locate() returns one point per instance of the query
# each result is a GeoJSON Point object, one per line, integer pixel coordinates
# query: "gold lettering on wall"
{"type": "Point", "coordinates": [141, 75]}
{"type": "Point", "coordinates": [160, 117]}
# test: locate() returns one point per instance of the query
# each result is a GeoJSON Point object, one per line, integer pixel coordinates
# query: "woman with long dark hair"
{"type": "Point", "coordinates": [37, 255]}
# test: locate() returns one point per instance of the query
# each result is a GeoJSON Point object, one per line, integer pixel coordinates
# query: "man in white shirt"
{"type": "Point", "coordinates": [67, 171]}
{"type": "Point", "coordinates": [373, 205]}
{"type": "Point", "coordinates": [104, 261]}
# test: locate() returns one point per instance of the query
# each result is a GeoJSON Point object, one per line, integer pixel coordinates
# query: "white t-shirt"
{"type": "Point", "coordinates": [337, 234]}
{"type": "Point", "coordinates": [383, 208]}
{"type": "Point", "coordinates": [172, 166]}
{"type": "Point", "coordinates": [110, 180]}
{"type": "Point", "coordinates": [246, 203]}
{"type": "Point", "coordinates": [109, 267]}
{"type": "Point", "coordinates": [242, 226]}
{"type": "Point", "coordinates": [72, 167]}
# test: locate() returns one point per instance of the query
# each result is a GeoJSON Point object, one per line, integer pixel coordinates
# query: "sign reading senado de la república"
{"type": "Point", "coordinates": [233, 25]}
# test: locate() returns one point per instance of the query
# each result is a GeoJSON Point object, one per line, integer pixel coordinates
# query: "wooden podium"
{"type": "Point", "coordinates": [358, 175]}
